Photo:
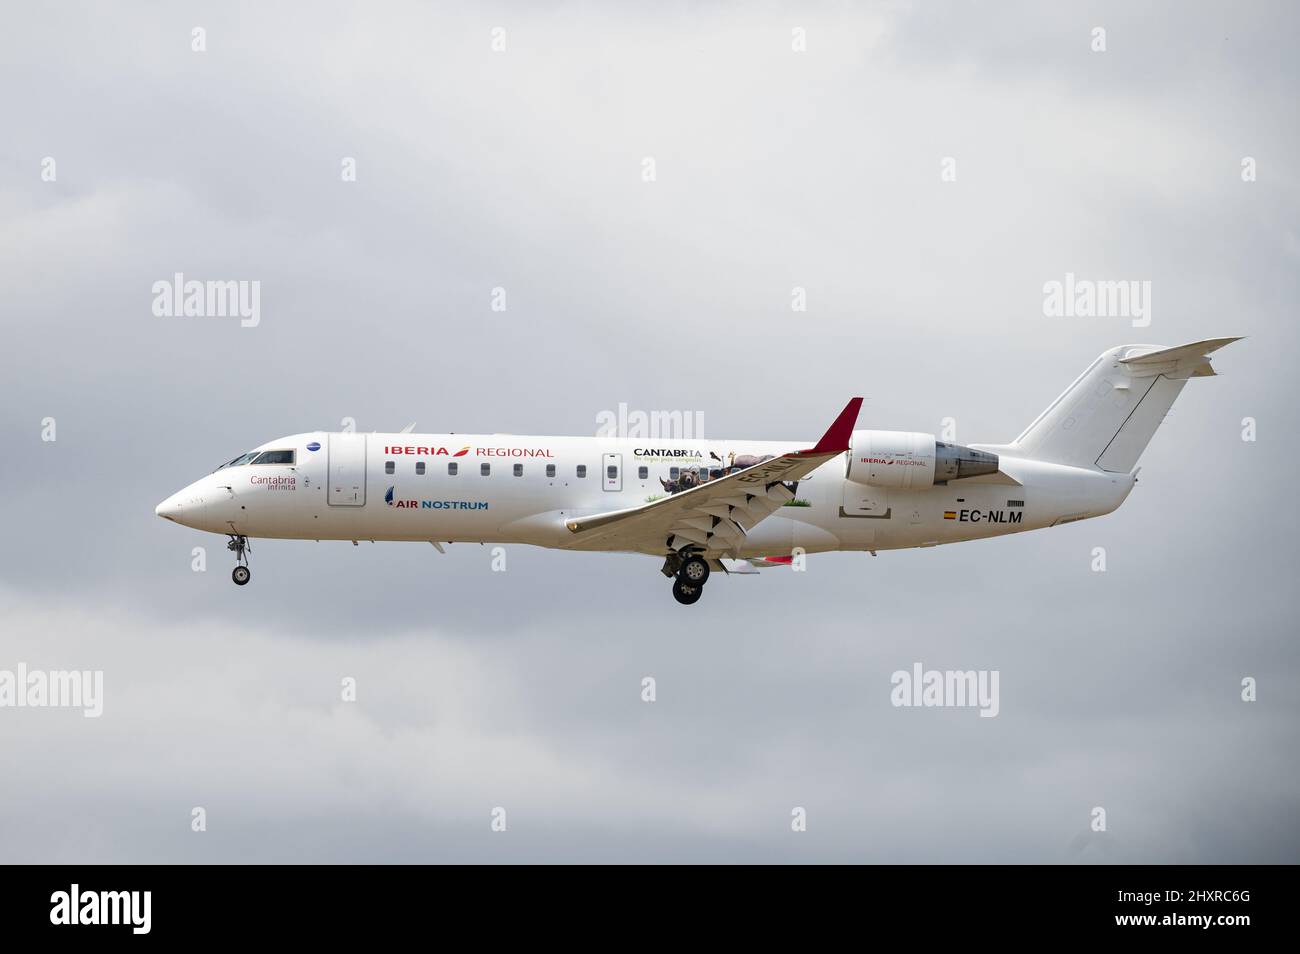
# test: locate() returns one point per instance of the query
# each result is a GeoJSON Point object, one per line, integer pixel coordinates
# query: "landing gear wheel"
{"type": "Point", "coordinates": [694, 571]}
{"type": "Point", "coordinates": [239, 546]}
{"type": "Point", "coordinates": [686, 593]}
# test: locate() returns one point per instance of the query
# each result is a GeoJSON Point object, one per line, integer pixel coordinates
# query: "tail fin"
{"type": "Point", "coordinates": [1106, 418]}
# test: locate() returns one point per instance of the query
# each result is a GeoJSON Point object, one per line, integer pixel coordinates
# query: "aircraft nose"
{"type": "Point", "coordinates": [184, 508]}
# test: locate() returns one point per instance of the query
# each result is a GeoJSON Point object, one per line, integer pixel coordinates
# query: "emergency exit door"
{"type": "Point", "coordinates": [613, 469]}
{"type": "Point", "coordinates": [347, 470]}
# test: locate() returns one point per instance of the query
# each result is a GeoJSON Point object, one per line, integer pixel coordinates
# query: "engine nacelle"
{"type": "Point", "coordinates": [909, 460]}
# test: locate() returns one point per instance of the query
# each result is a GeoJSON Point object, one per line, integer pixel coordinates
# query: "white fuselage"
{"type": "Point", "coordinates": [371, 487]}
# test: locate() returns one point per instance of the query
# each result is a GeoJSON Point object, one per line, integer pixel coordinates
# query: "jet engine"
{"type": "Point", "coordinates": [907, 460]}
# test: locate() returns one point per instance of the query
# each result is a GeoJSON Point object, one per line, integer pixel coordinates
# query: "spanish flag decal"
{"type": "Point", "coordinates": [950, 515]}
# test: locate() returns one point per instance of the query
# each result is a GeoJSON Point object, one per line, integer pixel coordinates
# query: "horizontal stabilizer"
{"type": "Point", "coordinates": [1189, 360]}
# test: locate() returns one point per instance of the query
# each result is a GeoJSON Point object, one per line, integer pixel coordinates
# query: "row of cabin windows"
{"type": "Point", "coordinates": [453, 468]}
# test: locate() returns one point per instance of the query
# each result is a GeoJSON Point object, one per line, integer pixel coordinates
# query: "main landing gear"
{"type": "Point", "coordinates": [685, 593]}
{"type": "Point", "coordinates": [241, 574]}
{"type": "Point", "coordinates": [688, 586]}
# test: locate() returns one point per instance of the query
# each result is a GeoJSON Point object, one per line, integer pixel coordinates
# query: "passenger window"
{"type": "Point", "coordinates": [484, 470]}
{"type": "Point", "coordinates": [642, 473]}
{"type": "Point", "coordinates": [612, 472]}
{"type": "Point", "coordinates": [582, 470]}
{"type": "Point", "coordinates": [550, 470]}
{"type": "Point", "coordinates": [452, 467]}
{"type": "Point", "coordinates": [674, 473]}
{"type": "Point", "coordinates": [419, 467]}
{"type": "Point", "coordinates": [389, 467]}
{"type": "Point", "coordinates": [519, 470]}
{"type": "Point", "coordinates": [275, 457]}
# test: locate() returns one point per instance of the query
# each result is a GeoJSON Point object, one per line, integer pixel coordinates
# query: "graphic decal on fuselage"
{"type": "Point", "coordinates": [692, 475]}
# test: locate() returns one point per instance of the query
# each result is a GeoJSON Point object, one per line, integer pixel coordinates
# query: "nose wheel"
{"type": "Point", "coordinates": [239, 545]}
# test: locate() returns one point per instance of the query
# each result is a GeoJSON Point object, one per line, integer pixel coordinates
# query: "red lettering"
{"type": "Point", "coordinates": [512, 452]}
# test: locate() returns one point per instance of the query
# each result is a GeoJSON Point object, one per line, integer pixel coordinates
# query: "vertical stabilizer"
{"type": "Point", "coordinates": [1106, 418]}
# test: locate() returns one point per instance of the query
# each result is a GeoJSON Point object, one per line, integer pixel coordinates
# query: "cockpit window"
{"type": "Point", "coordinates": [241, 459]}
{"type": "Point", "coordinates": [274, 457]}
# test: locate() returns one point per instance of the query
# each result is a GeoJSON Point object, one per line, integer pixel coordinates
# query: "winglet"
{"type": "Point", "coordinates": [837, 436]}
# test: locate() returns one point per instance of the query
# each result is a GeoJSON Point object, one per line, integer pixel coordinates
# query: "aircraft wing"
{"type": "Point", "coordinates": [715, 516]}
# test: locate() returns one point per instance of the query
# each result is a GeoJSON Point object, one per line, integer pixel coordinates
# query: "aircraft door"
{"type": "Point", "coordinates": [860, 500]}
{"type": "Point", "coordinates": [347, 470]}
{"type": "Point", "coordinates": [613, 470]}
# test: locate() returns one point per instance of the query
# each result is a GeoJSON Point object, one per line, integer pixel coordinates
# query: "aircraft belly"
{"type": "Point", "coordinates": [771, 537]}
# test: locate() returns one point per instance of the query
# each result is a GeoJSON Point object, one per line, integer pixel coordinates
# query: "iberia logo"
{"type": "Point", "coordinates": [421, 450]}
{"type": "Point", "coordinates": [388, 496]}
{"type": "Point", "coordinates": [428, 451]}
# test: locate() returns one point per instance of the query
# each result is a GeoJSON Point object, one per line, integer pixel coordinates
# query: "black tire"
{"type": "Point", "coordinates": [241, 575]}
{"type": "Point", "coordinates": [694, 571]}
{"type": "Point", "coordinates": [686, 594]}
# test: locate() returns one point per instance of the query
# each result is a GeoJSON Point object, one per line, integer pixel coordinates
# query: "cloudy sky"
{"type": "Point", "coordinates": [522, 169]}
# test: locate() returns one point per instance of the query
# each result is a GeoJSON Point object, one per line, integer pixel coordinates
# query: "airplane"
{"type": "Point", "coordinates": [704, 506]}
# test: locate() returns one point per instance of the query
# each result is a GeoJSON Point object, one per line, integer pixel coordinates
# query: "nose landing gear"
{"type": "Point", "coordinates": [241, 574]}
